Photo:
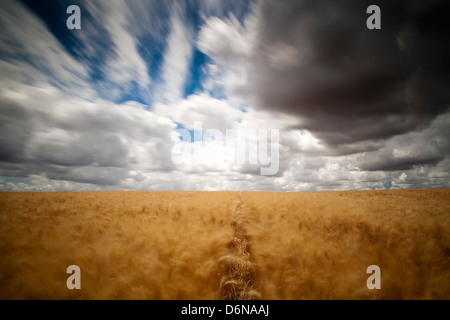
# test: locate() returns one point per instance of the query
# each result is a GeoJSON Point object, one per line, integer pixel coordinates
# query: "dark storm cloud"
{"type": "Point", "coordinates": [347, 84]}
{"type": "Point", "coordinates": [13, 131]}
{"type": "Point", "coordinates": [88, 149]}
{"type": "Point", "coordinates": [427, 147]}
{"type": "Point", "coordinates": [406, 163]}
{"type": "Point", "coordinates": [96, 175]}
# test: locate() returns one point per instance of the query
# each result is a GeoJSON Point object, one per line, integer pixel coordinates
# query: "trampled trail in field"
{"type": "Point", "coordinates": [238, 282]}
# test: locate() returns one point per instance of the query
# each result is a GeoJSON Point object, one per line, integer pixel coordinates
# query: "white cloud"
{"type": "Point", "coordinates": [123, 63]}
{"type": "Point", "coordinates": [176, 60]}
{"type": "Point", "coordinates": [22, 34]}
{"type": "Point", "coordinates": [211, 112]}
{"type": "Point", "coordinates": [68, 138]}
{"type": "Point", "coordinates": [230, 44]}
{"type": "Point", "coordinates": [225, 41]}
{"type": "Point", "coordinates": [303, 141]}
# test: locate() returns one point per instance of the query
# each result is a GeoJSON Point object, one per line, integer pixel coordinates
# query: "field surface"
{"type": "Point", "coordinates": [225, 245]}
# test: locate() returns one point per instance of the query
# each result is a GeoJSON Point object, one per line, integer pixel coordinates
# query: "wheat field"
{"type": "Point", "coordinates": [225, 245]}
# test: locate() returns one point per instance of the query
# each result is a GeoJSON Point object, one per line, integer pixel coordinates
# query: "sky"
{"type": "Point", "coordinates": [105, 107]}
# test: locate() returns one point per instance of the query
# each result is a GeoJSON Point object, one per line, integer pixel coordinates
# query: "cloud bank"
{"type": "Point", "coordinates": [97, 108]}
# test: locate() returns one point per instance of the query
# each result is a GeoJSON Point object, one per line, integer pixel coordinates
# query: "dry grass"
{"type": "Point", "coordinates": [225, 245]}
{"type": "Point", "coordinates": [318, 245]}
{"type": "Point", "coordinates": [128, 245]}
